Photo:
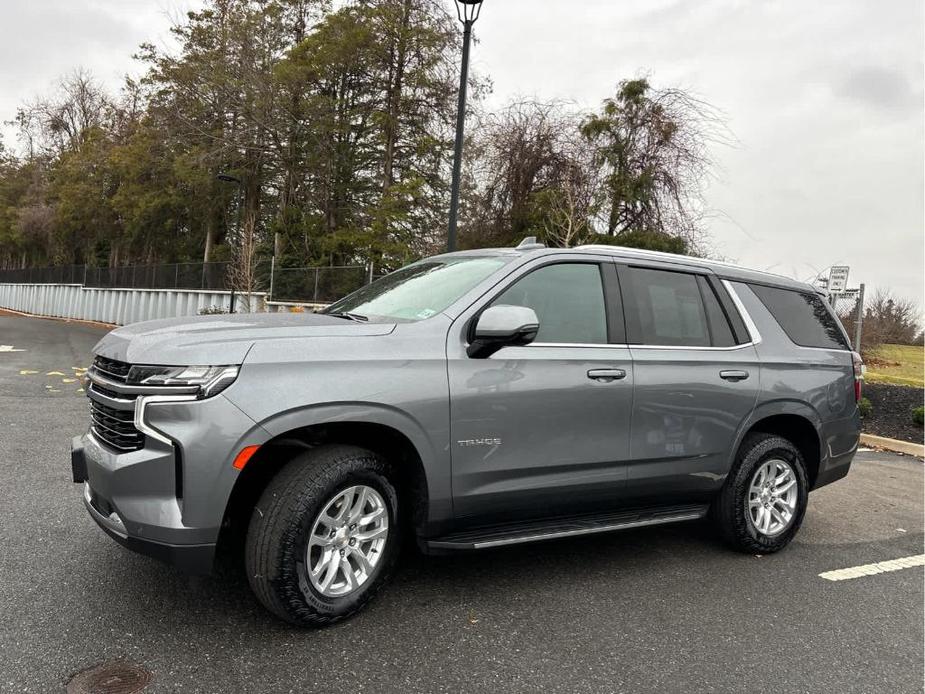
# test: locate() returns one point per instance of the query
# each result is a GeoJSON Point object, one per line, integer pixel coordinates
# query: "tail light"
{"type": "Point", "coordinates": [858, 374]}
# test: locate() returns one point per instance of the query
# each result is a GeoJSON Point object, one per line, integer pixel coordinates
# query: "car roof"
{"type": "Point", "coordinates": [721, 269]}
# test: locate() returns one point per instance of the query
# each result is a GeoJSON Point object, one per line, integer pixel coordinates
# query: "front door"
{"type": "Point", "coordinates": [543, 429]}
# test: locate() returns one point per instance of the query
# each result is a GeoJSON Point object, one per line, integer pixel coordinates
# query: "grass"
{"type": "Point", "coordinates": [897, 364]}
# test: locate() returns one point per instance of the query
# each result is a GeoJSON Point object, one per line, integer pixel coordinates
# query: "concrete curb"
{"type": "Point", "coordinates": [894, 445]}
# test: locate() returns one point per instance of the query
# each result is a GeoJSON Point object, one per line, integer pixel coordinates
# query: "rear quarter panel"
{"type": "Point", "coordinates": [815, 383]}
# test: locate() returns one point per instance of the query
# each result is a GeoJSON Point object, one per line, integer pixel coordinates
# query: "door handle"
{"type": "Point", "coordinates": [733, 375]}
{"type": "Point", "coordinates": [606, 375]}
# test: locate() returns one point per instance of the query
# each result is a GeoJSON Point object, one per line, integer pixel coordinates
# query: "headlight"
{"type": "Point", "coordinates": [211, 380]}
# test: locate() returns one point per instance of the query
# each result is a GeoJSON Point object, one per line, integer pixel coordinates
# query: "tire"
{"type": "Point", "coordinates": [732, 511]}
{"type": "Point", "coordinates": [277, 555]}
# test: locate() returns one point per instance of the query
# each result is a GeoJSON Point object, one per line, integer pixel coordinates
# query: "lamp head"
{"type": "Point", "coordinates": [468, 10]}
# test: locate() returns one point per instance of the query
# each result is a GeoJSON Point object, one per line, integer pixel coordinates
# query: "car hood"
{"type": "Point", "coordinates": [221, 339]}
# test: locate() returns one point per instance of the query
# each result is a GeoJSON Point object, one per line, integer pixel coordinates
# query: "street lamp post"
{"type": "Point", "coordinates": [228, 178]}
{"type": "Point", "coordinates": [468, 12]}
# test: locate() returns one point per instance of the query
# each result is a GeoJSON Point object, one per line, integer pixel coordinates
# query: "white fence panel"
{"type": "Point", "coordinates": [120, 306]}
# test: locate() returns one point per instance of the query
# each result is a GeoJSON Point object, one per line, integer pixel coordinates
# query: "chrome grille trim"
{"type": "Point", "coordinates": [115, 370]}
{"type": "Point", "coordinates": [120, 387]}
{"type": "Point", "coordinates": [117, 409]}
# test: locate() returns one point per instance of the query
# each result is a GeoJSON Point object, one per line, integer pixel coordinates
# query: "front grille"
{"type": "Point", "coordinates": [111, 369]}
{"type": "Point", "coordinates": [109, 393]}
{"type": "Point", "coordinates": [115, 428]}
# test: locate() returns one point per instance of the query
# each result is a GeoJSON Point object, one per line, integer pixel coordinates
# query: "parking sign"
{"type": "Point", "coordinates": [838, 279]}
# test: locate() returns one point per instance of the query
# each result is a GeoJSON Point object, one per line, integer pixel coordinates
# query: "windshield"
{"type": "Point", "coordinates": [420, 290]}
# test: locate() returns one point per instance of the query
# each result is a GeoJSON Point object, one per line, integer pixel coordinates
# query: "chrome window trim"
{"type": "Point", "coordinates": [576, 344]}
{"type": "Point", "coordinates": [746, 318]}
{"type": "Point", "coordinates": [141, 404]}
{"type": "Point", "coordinates": [698, 348]}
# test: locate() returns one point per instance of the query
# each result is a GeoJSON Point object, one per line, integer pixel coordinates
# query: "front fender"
{"type": "Point", "coordinates": [436, 462]}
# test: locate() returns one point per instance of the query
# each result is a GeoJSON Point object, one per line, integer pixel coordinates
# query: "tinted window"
{"type": "Point", "coordinates": [720, 331]}
{"type": "Point", "coordinates": [568, 299]}
{"type": "Point", "coordinates": [665, 308]}
{"type": "Point", "coordinates": [804, 317]}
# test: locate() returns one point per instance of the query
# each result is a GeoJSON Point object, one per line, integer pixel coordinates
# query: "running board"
{"type": "Point", "coordinates": [498, 536]}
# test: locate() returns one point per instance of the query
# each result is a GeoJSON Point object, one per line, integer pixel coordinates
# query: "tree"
{"type": "Point", "coordinates": [653, 147]}
{"type": "Point", "coordinates": [338, 120]}
{"type": "Point", "coordinates": [518, 155]}
{"type": "Point", "coordinates": [890, 320]}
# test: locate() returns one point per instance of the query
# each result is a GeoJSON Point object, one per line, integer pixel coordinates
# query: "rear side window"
{"type": "Point", "coordinates": [803, 316]}
{"type": "Point", "coordinates": [665, 308]}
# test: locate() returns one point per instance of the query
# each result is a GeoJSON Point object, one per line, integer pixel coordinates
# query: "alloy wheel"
{"type": "Point", "coordinates": [347, 541]}
{"type": "Point", "coordinates": [772, 497]}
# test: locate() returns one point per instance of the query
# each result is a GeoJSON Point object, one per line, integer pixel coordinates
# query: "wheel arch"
{"type": "Point", "coordinates": [422, 481]}
{"type": "Point", "coordinates": [795, 421]}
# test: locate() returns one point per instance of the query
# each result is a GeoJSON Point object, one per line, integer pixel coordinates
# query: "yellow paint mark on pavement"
{"type": "Point", "coordinates": [27, 372]}
{"type": "Point", "coordinates": [69, 380]}
{"type": "Point", "coordinates": [55, 373]}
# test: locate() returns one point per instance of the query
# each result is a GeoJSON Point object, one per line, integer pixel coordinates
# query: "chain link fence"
{"type": "Point", "coordinates": [849, 307]}
{"type": "Point", "coordinates": [212, 276]}
{"type": "Point", "coordinates": [316, 285]}
{"type": "Point", "coordinates": [59, 274]}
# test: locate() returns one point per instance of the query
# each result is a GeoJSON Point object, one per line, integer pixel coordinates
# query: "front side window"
{"type": "Point", "coordinates": [421, 290]}
{"type": "Point", "coordinates": [666, 308]}
{"type": "Point", "coordinates": [568, 299]}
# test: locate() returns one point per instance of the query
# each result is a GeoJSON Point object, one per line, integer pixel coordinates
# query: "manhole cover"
{"type": "Point", "coordinates": [118, 677]}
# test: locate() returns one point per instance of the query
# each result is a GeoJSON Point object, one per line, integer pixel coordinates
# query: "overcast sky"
{"type": "Point", "coordinates": [825, 99]}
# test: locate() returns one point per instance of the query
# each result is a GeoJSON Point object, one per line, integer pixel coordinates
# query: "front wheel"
{"type": "Point", "coordinates": [323, 538]}
{"type": "Point", "coordinates": [762, 504]}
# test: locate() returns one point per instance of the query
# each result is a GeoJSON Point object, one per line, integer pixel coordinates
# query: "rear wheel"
{"type": "Point", "coordinates": [762, 504]}
{"type": "Point", "coordinates": [323, 538]}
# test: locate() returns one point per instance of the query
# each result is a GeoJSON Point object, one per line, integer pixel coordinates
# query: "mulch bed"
{"type": "Point", "coordinates": [892, 411]}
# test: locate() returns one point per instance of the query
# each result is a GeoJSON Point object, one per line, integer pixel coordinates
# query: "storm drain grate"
{"type": "Point", "coordinates": [116, 677]}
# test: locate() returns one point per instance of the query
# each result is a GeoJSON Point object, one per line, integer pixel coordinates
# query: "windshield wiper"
{"type": "Point", "coordinates": [359, 317]}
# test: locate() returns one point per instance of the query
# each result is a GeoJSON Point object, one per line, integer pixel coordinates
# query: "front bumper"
{"type": "Point", "coordinates": [190, 558]}
{"type": "Point", "coordinates": [167, 499]}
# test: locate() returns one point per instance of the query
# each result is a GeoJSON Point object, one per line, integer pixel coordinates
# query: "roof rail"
{"type": "Point", "coordinates": [677, 257]}
{"type": "Point", "coordinates": [529, 244]}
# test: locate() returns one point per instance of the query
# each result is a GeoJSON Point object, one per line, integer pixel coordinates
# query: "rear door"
{"type": "Point", "coordinates": [543, 430]}
{"type": "Point", "coordinates": [696, 380]}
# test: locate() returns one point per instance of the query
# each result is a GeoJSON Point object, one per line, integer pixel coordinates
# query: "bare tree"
{"type": "Point", "coordinates": [569, 205]}
{"type": "Point", "coordinates": [60, 123]}
{"type": "Point", "coordinates": [518, 153]}
{"type": "Point", "coordinates": [890, 320]}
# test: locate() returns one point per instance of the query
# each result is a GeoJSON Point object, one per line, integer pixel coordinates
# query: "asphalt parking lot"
{"type": "Point", "coordinates": [660, 610]}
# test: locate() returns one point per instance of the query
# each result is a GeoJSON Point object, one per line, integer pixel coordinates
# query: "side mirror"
{"type": "Point", "coordinates": [502, 325]}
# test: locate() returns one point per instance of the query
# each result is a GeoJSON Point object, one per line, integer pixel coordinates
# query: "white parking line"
{"type": "Point", "coordinates": [873, 569]}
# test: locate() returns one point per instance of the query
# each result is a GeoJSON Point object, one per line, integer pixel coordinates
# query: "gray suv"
{"type": "Point", "coordinates": [470, 400]}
